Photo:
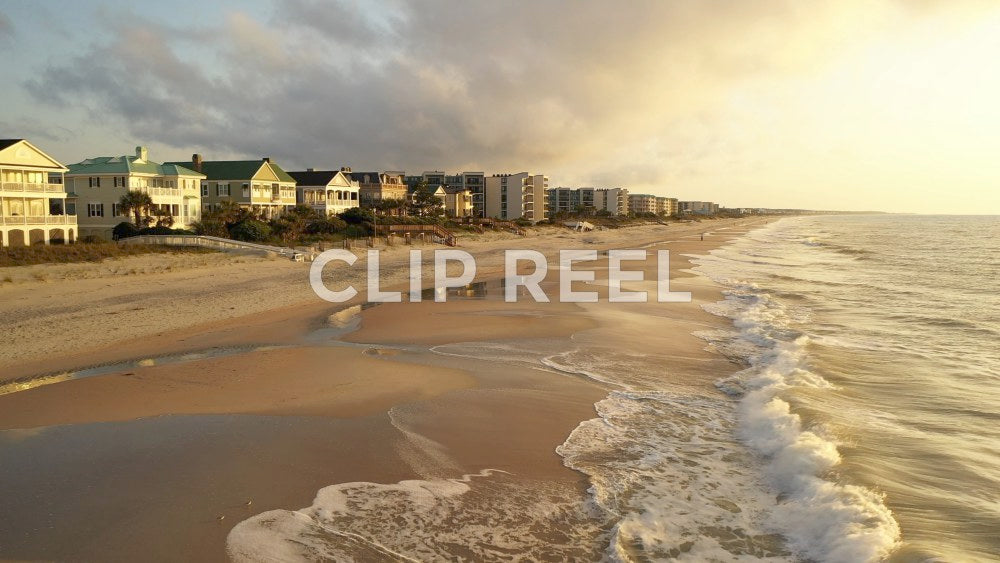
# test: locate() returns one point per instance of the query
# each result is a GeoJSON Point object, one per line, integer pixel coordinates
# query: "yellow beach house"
{"type": "Point", "coordinates": [259, 185]}
{"type": "Point", "coordinates": [100, 182]}
{"type": "Point", "coordinates": [35, 207]}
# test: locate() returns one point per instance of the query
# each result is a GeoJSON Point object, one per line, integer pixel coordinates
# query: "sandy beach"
{"type": "Point", "coordinates": [185, 394]}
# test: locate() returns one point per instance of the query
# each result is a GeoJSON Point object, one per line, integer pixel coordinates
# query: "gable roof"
{"type": "Point", "coordinates": [314, 177]}
{"type": "Point", "coordinates": [236, 169]}
{"type": "Point", "coordinates": [129, 164]}
{"type": "Point", "coordinates": [27, 155]}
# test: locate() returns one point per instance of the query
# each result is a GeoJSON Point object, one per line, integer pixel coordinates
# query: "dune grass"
{"type": "Point", "coordinates": [84, 252]}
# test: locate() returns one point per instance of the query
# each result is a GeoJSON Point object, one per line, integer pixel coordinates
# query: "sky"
{"type": "Point", "coordinates": [886, 105]}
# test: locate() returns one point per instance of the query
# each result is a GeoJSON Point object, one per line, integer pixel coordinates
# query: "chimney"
{"type": "Point", "coordinates": [196, 161]}
{"type": "Point", "coordinates": [310, 169]}
{"type": "Point", "coordinates": [346, 169]}
{"type": "Point", "coordinates": [266, 159]}
{"type": "Point", "coordinates": [142, 153]}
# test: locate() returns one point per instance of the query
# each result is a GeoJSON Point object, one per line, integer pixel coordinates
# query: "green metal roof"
{"type": "Point", "coordinates": [236, 169]}
{"type": "Point", "coordinates": [127, 165]}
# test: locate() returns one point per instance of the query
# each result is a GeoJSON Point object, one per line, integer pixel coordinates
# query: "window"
{"type": "Point", "coordinates": [222, 190]}
{"type": "Point", "coordinates": [116, 210]}
{"type": "Point", "coordinates": [246, 190]}
{"type": "Point", "coordinates": [94, 181]}
{"type": "Point", "coordinates": [170, 183]}
{"type": "Point", "coordinates": [70, 208]}
{"type": "Point", "coordinates": [118, 181]}
{"type": "Point", "coordinates": [204, 190]}
{"type": "Point", "coordinates": [95, 210]}
{"type": "Point", "coordinates": [174, 209]}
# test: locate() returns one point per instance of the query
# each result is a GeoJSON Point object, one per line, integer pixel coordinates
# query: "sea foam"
{"type": "Point", "coordinates": [821, 518]}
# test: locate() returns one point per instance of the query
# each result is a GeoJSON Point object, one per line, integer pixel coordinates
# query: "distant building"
{"type": "Point", "coordinates": [327, 191]}
{"type": "Point", "coordinates": [471, 182]}
{"type": "Point", "coordinates": [641, 203]}
{"type": "Point", "coordinates": [257, 185]}
{"type": "Point", "coordinates": [380, 186]}
{"type": "Point", "coordinates": [666, 206]}
{"type": "Point", "coordinates": [35, 207]}
{"type": "Point", "coordinates": [588, 200]}
{"type": "Point", "coordinates": [516, 196]}
{"type": "Point", "coordinates": [101, 182]}
{"type": "Point", "coordinates": [698, 207]}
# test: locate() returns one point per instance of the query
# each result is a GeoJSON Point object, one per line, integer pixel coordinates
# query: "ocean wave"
{"type": "Point", "coordinates": [822, 519]}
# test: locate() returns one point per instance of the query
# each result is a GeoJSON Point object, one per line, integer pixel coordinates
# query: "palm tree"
{"type": "Point", "coordinates": [138, 203]}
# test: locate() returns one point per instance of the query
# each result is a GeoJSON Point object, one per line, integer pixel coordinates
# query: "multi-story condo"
{"type": "Point", "coordinates": [666, 206]}
{"type": "Point", "coordinates": [101, 181]}
{"type": "Point", "coordinates": [516, 196]}
{"type": "Point", "coordinates": [327, 191]}
{"type": "Point", "coordinates": [258, 185]}
{"type": "Point", "coordinates": [34, 205]}
{"type": "Point", "coordinates": [641, 203]}
{"type": "Point", "coordinates": [473, 182]}
{"type": "Point", "coordinates": [698, 207]}
{"type": "Point", "coordinates": [573, 200]}
{"type": "Point", "coordinates": [379, 186]}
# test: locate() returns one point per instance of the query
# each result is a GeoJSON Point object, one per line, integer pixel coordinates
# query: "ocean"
{"type": "Point", "coordinates": [854, 417]}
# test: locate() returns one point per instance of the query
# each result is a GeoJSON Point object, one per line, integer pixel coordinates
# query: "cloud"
{"type": "Point", "coordinates": [586, 92]}
{"type": "Point", "coordinates": [6, 29]}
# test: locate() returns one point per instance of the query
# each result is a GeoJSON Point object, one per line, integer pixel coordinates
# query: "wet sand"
{"type": "Point", "coordinates": [141, 466]}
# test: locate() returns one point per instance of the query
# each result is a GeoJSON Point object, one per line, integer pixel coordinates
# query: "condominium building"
{"type": "Point", "coordinates": [666, 206]}
{"type": "Point", "coordinates": [379, 186]}
{"type": "Point", "coordinates": [588, 200]}
{"type": "Point", "coordinates": [641, 203]}
{"type": "Point", "coordinates": [35, 207]}
{"type": "Point", "coordinates": [471, 182]}
{"type": "Point", "coordinates": [327, 191]}
{"type": "Point", "coordinates": [516, 196]}
{"type": "Point", "coordinates": [697, 207]}
{"type": "Point", "coordinates": [258, 185]}
{"type": "Point", "coordinates": [101, 181]}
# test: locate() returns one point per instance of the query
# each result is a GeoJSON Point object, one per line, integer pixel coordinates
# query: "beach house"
{"type": "Point", "coordinates": [35, 207]}
{"type": "Point", "coordinates": [458, 202]}
{"type": "Point", "coordinates": [327, 191]}
{"type": "Point", "coordinates": [258, 185]}
{"type": "Point", "coordinates": [379, 186]}
{"type": "Point", "coordinates": [100, 182]}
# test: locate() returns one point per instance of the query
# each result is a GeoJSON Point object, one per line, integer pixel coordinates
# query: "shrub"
{"type": "Point", "coordinates": [326, 226]}
{"type": "Point", "coordinates": [211, 228]}
{"type": "Point", "coordinates": [357, 216]}
{"type": "Point", "coordinates": [250, 230]}
{"type": "Point", "coordinates": [125, 229]}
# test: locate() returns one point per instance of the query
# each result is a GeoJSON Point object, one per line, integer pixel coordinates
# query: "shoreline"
{"type": "Point", "coordinates": [459, 413]}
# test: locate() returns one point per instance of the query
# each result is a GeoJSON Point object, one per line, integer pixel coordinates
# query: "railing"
{"type": "Point", "coordinates": [39, 220]}
{"type": "Point", "coordinates": [437, 230]}
{"type": "Point", "coordinates": [28, 187]}
{"type": "Point", "coordinates": [175, 192]}
{"type": "Point", "coordinates": [211, 242]}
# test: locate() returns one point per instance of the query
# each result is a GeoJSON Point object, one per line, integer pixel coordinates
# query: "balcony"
{"type": "Point", "coordinates": [39, 220]}
{"type": "Point", "coordinates": [33, 188]}
{"type": "Point", "coordinates": [174, 192]}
